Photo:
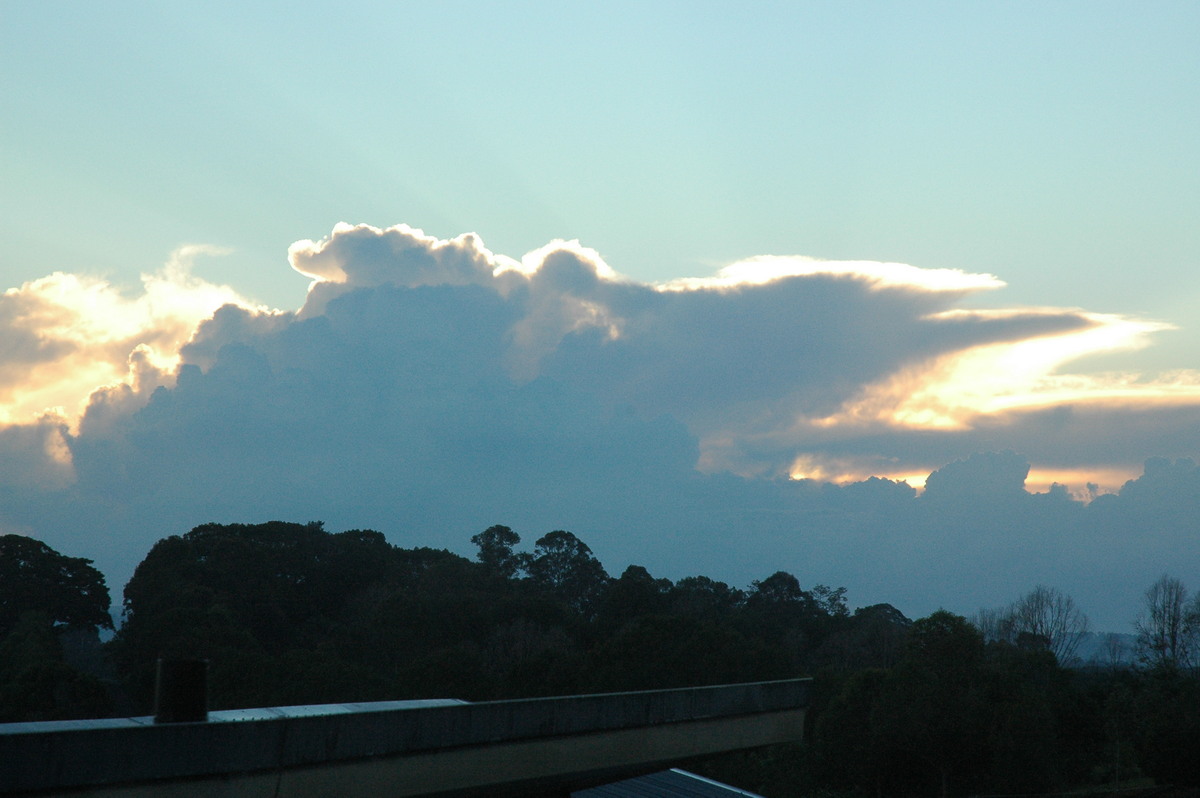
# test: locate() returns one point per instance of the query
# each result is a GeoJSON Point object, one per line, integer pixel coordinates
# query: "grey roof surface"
{"type": "Point", "coordinates": [672, 783]}
{"type": "Point", "coordinates": [258, 713]}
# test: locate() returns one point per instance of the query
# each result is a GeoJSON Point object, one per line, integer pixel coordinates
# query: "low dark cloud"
{"type": "Point", "coordinates": [431, 388]}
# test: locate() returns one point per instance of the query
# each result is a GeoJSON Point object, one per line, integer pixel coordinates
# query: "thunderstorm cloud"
{"type": "Point", "coordinates": [731, 425]}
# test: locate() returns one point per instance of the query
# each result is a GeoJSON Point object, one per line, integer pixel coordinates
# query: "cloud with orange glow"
{"type": "Point", "coordinates": [778, 365]}
{"type": "Point", "coordinates": [67, 335]}
{"type": "Point", "coordinates": [432, 385]}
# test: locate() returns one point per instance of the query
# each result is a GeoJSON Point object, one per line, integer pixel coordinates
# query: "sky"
{"type": "Point", "coordinates": [706, 284]}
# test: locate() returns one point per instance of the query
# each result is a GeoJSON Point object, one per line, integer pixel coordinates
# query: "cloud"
{"type": "Point", "coordinates": [36, 456]}
{"type": "Point", "coordinates": [770, 268]}
{"type": "Point", "coordinates": [365, 256]}
{"type": "Point", "coordinates": [65, 335]}
{"type": "Point", "coordinates": [430, 388]}
{"type": "Point", "coordinates": [771, 357]}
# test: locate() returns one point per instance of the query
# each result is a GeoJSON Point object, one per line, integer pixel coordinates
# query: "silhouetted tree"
{"type": "Point", "coordinates": [1167, 726]}
{"type": "Point", "coordinates": [793, 621]}
{"type": "Point", "coordinates": [564, 565]}
{"type": "Point", "coordinates": [850, 749]}
{"type": "Point", "coordinates": [496, 551]}
{"type": "Point", "coordinates": [702, 597]}
{"type": "Point", "coordinates": [930, 718]}
{"type": "Point", "coordinates": [661, 651]}
{"type": "Point", "coordinates": [873, 637]}
{"type": "Point", "coordinates": [1168, 627]}
{"type": "Point", "coordinates": [37, 684]}
{"type": "Point", "coordinates": [780, 589]}
{"type": "Point", "coordinates": [1043, 618]}
{"type": "Point", "coordinates": [289, 613]}
{"type": "Point", "coordinates": [245, 596]}
{"type": "Point", "coordinates": [1024, 706]}
{"type": "Point", "coordinates": [635, 594]}
{"type": "Point", "coordinates": [34, 576]}
{"type": "Point", "coordinates": [44, 597]}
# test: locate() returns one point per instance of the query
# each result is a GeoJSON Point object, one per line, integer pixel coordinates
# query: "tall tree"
{"type": "Point", "coordinates": [1168, 726]}
{"type": "Point", "coordinates": [250, 597]}
{"type": "Point", "coordinates": [635, 593]}
{"type": "Point", "coordinates": [931, 716]}
{"type": "Point", "coordinates": [1168, 627]}
{"type": "Point", "coordinates": [873, 637]}
{"type": "Point", "coordinates": [35, 577]}
{"type": "Point", "coordinates": [1048, 618]}
{"type": "Point", "coordinates": [496, 551]}
{"type": "Point", "coordinates": [565, 565]}
{"type": "Point", "coordinates": [849, 746]}
{"type": "Point", "coordinates": [45, 599]}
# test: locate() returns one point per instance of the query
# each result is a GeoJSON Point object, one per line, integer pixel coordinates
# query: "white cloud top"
{"type": "Point", "coordinates": [769, 268]}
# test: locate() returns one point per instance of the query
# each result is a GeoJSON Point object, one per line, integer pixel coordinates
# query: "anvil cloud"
{"type": "Point", "coordinates": [429, 388]}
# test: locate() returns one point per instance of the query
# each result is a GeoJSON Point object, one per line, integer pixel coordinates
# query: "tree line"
{"type": "Point", "coordinates": [293, 614]}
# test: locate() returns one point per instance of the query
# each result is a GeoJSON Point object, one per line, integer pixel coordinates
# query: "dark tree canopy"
{"type": "Point", "coordinates": [247, 595]}
{"type": "Point", "coordinates": [35, 577]}
{"type": "Point", "coordinates": [270, 576]}
{"type": "Point", "coordinates": [779, 589]}
{"type": "Point", "coordinates": [700, 596]}
{"type": "Point", "coordinates": [496, 551]}
{"type": "Point", "coordinates": [565, 565]}
{"type": "Point", "coordinates": [635, 593]}
{"type": "Point", "coordinates": [290, 613]}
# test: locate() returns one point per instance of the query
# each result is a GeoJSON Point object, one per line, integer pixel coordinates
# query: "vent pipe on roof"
{"type": "Point", "coordinates": [181, 691]}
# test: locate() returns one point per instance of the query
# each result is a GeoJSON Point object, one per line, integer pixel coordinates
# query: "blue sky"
{"type": "Point", "coordinates": [1053, 145]}
{"type": "Point", "coordinates": [984, 217]}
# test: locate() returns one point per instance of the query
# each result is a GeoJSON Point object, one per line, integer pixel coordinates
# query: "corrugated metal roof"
{"type": "Point", "coordinates": [672, 783]}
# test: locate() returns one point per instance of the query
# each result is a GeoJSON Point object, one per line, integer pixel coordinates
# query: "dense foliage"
{"type": "Point", "coordinates": [51, 609]}
{"type": "Point", "coordinates": [289, 613]}
{"type": "Point", "coordinates": [68, 590]}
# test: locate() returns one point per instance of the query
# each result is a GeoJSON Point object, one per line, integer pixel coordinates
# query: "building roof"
{"type": "Point", "coordinates": [672, 783]}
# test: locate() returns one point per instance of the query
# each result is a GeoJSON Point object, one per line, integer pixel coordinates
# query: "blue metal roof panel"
{"type": "Point", "coordinates": [672, 783]}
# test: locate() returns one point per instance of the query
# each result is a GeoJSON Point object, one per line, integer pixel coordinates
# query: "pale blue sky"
{"type": "Point", "coordinates": [1052, 144]}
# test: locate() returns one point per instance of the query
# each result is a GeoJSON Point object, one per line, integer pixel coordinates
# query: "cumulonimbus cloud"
{"type": "Point", "coordinates": [433, 386]}
{"type": "Point", "coordinates": [771, 357]}
{"type": "Point", "coordinates": [777, 365]}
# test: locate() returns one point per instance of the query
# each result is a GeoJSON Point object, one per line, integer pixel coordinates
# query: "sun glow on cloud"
{"type": "Point", "coordinates": [1084, 484]}
{"type": "Point", "coordinates": [769, 370]}
{"type": "Point", "coordinates": [844, 470]}
{"type": "Point", "coordinates": [768, 268]}
{"type": "Point", "coordinates": [956, 391]}
{"type": "Point", "coordinates": [68, 334]}
{"type": "Point", "coordinates": [955, 388]}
